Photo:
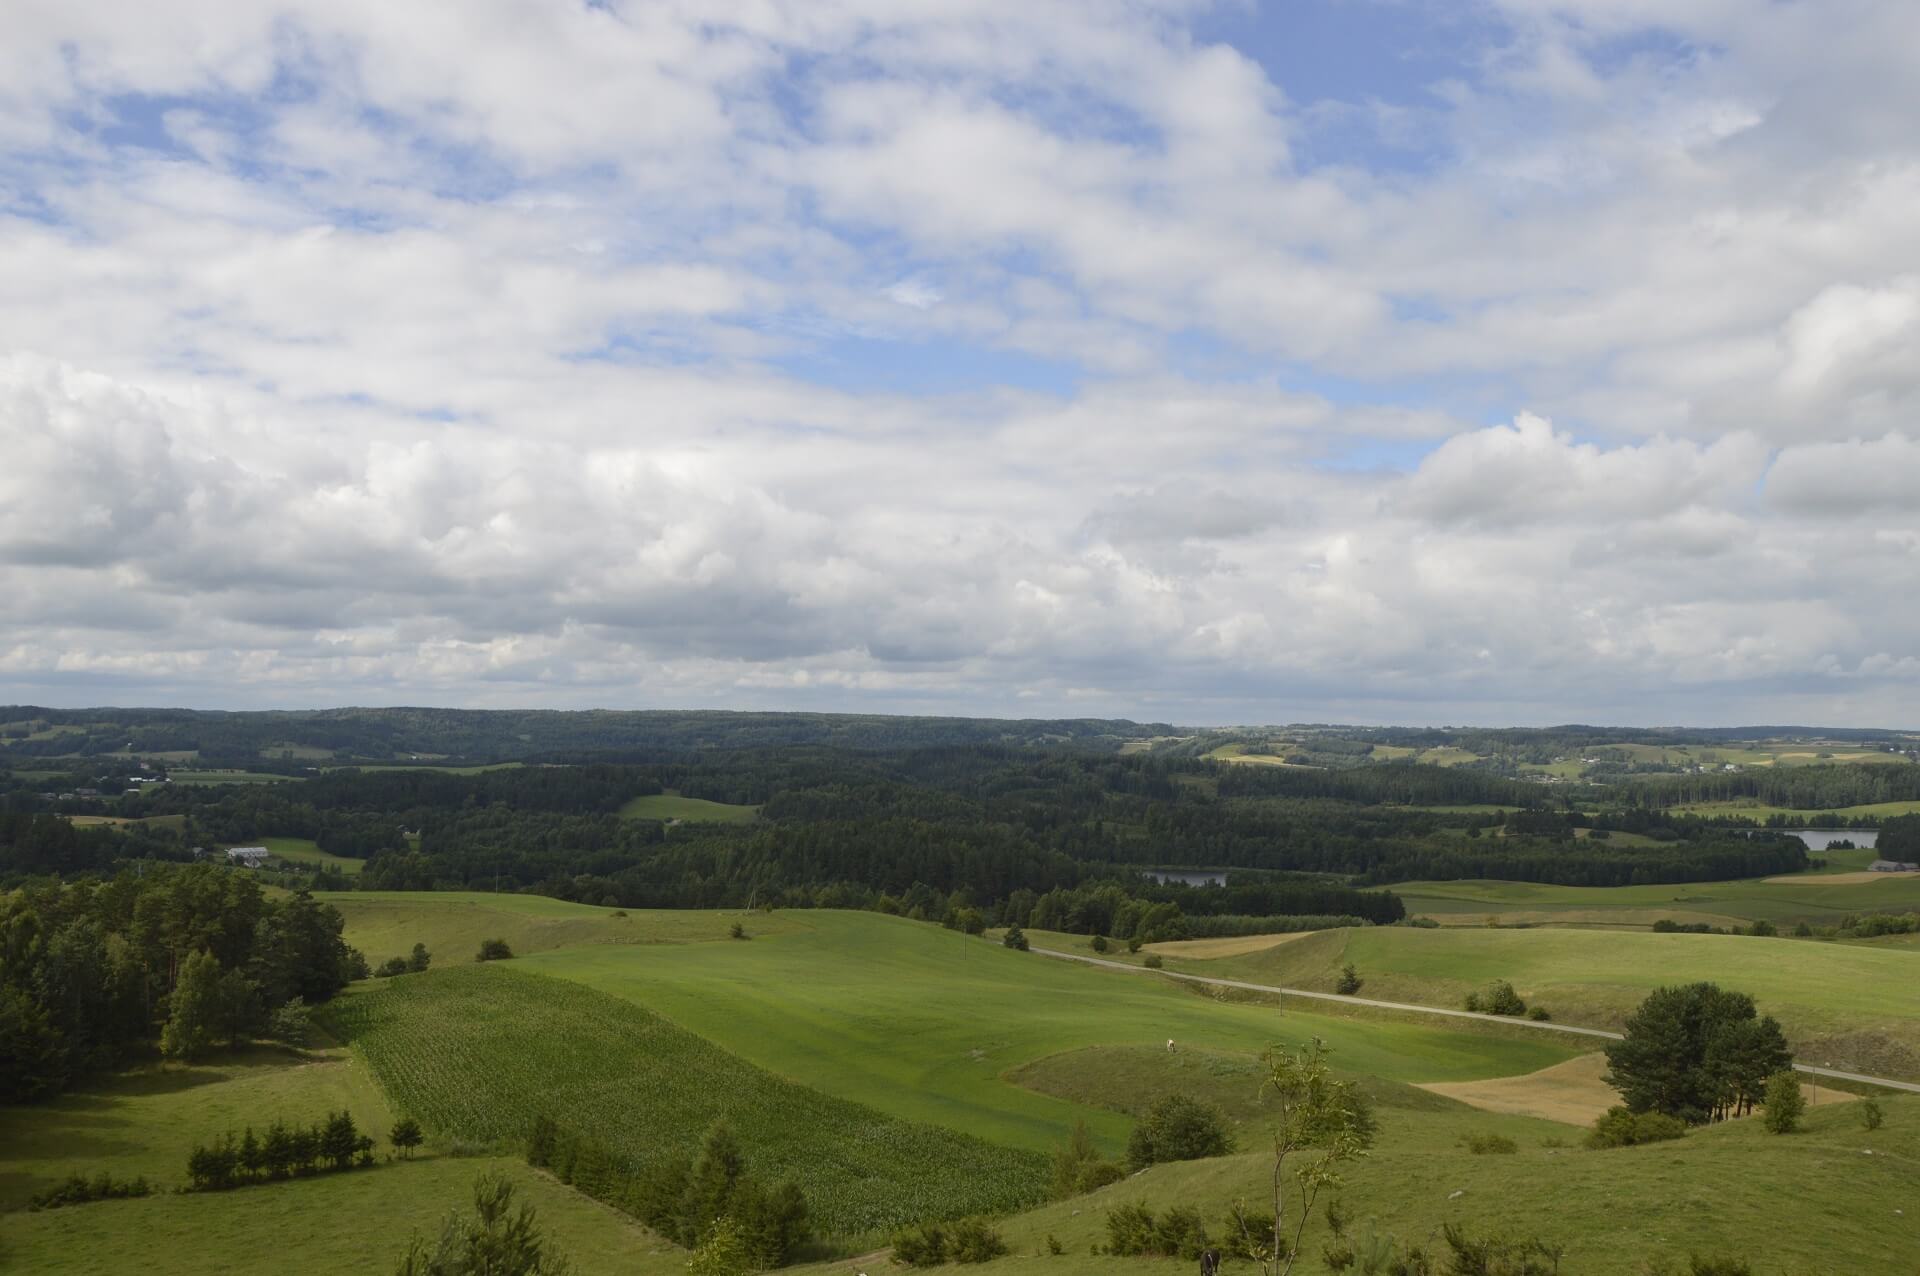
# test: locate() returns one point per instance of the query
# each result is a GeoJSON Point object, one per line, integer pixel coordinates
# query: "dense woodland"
{"type": "Point", "coordinates": [1048, 835]}
{"type": "Point", "coordinates": [96, 972]}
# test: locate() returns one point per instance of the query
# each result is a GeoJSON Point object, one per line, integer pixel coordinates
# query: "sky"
{"type": "Point", "coordinates": [1369, 361]}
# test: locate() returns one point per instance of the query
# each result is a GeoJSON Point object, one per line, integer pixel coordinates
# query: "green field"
{"type": "Point", "coordinates": [334, 1223]}
{"type": "Point", "coordinates": [671, 806]}
{"type": "Point", "coordinates": [227, 777]}
{"type": "Point", "coordinates": [854, 1049]}
{"type": "Point", "coordinates": [1802, 897]}
{"type": "Point", "coordinates": [475, 769]}
{"type": "Point", "coordinates": [480, 1051]}
{"type": "Point", "coordinates": [451, 924]}
{"type": "Point", "coordinates": [146, 1121]}
{"type": "Point", "coordinates": [922, 1022]}
{"type": "Point", "coordinates": [1754, 810]}
{"type": "Point", "coordinates": [301, 850]}
{"type": "Point", "coordinates": [1833, 999]}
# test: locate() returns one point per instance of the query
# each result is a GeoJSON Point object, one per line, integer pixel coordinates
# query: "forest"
{"type": "Point", "coordinates": [927, 829]}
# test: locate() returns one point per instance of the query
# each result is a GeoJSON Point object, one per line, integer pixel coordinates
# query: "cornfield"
{"type": "Point", "coordinates": [477, 1052]}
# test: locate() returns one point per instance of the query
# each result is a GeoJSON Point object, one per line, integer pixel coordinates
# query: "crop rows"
{"type": "Point", "coordinates": [479, 1051]}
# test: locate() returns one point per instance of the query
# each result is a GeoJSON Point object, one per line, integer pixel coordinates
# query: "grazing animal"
{"type": "Point", "coordinates": [1209, 1262]}
{"type": "Point", "coordinates": [1169, 1045]}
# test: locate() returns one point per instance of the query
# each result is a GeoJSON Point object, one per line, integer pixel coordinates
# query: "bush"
{"type": "Point", "coordinates": [1153, 961]}
{"type": "Point", "coordinates": [1491, 1144]}
{"type": "Point", "coordinates": [1498, 999]}
{"type": "Point", "coordinates": [1539, 1014]}
{"type": "Point", "coordinates": [1784, 1102]}
{"type": "Point", "coordinates": [971, 1241]}
{"type": "Point", "coordinates": [1249, 1232]}
{"type": "Point", "coordinates": [1870, 1113]}
{"type": "Point", "coordinates": [1015, 938]}
{"type": "Point", "coordinates": [1180, 1233]}
{"type": "Point", "coordinates": [1698, 1265]}
{"type": "Point", "coordinates": [1178, 1128]}
{"type": "Point", "coordinates": [1130, 1230]}
{"type": "Point", "coordinates": [1620, 1128]}
{"type": "Point", "coordinates": [391, 967]}
{"type": "Point", "coordinates": [922, 1246]}
{"type": "Point", "coordinates": [1098, 944]}
{"type": "Point", "coordinates": [1133, 944]}
{"type": "Point", "coordinates": [737, 931]}
{"type": "Point", "coordinates": [494, 950]}
{"type": "Point", "coordinates": [1350, 981]}
{"type": "Point", "coordinates": [420, 959]}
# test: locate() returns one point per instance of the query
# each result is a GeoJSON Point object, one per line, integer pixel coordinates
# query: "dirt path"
{"type": "Point", "coordinates": [1573, 1029]}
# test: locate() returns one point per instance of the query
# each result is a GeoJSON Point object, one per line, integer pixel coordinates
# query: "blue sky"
{"type": "Point", "coordinates": [1366, 359]}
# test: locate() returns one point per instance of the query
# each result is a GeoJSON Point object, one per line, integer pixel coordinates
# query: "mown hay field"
{"type": "Point", "coordinates": [480, 1051]}
{"type": "Point", "coordinates": [922, 1022]}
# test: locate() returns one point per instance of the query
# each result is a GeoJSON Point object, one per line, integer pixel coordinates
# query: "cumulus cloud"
{"type": "Point", "coordinates": [977, 357]}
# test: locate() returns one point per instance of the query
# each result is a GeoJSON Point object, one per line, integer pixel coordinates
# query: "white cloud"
{"type": "Point", "coordinates": [498, 360]}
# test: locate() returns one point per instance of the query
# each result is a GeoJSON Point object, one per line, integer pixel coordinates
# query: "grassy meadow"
{"type": "Point", "coordinates": [451, 924]}
{"type": "Point", "coordinates": [145, 1121]}
{"type": "Point", "coordinates": [1836, 1001]}
{"type": "Point", "coordinates": [302, 850]}
{"type": "Point", "coordinates": [1801, 897]}
{"type": "Point", "coordinates": [687, 810]}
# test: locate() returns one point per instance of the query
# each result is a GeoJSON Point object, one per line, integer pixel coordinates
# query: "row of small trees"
{"type": "Point", "coordinates": [286, 1151]}
{"type": "Point", "coordinates": [709, 1200]}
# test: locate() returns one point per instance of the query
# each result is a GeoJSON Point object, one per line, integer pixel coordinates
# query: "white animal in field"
{"type": "Point", "coordinates": [1169, 1045]}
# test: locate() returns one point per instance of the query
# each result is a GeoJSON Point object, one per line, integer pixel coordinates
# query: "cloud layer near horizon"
{"type": "Point", "coordinates": [1009, 358]}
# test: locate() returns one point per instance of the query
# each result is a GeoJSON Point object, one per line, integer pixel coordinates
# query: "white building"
{"type": "Point", "coordinates": [247, 856]}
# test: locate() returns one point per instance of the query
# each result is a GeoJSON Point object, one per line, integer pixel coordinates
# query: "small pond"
{"type": "Point", "coordinates": [1821, 839]}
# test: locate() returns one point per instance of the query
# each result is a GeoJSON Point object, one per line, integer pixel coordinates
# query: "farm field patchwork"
{"type": "Point", "coordinates": [922, 1022]}
{"type": "Point", "coordinates": [481, 1051]}
{"type": "Point", "coordinates": [1831, 997]}
{"type": "Point", "coordinates": [1802, 897]}
{"type": "Point", "coordinates": [1759, 813]}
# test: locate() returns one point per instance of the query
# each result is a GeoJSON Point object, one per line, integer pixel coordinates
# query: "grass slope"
{"type": "Point", "coordinates": [145, 1122]}
{"type": "Point", "coordinates": [479, 1051]}
{"type": "Point", "coordinates": [451, 924]}
{"type": "Point", "coordinates": [334, 1223]}
{"type": "Point", "coordinates": [301, 850]}
{"type": "Point", "coordinates": [1833, 999]}
{"type": "Point", "coordinates": [922, 1022]}
{"type": "Point", "coordinates": [1809, 1204]}
{"type": "Point", "coordinates": [671, 806]}
{"type": "Point", "coordinates": [1804, 897]}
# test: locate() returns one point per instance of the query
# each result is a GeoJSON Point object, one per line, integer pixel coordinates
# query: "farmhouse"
{"type": "Point", "coordinates": [1892, 866]}
{"type": "Point", "coordinates": [247, 856]}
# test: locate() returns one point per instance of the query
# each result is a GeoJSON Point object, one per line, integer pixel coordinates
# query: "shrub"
{"type": "Point", "coordinates": [1130, 1230]}
{"type": "Point", "coordinates": [1763, 928]}
{"type": "Point", "coordinates": [391, 967]}
{"type": "Point", "coordinates": [1498, 999]}
{"type": "Point", "coordinates": [79, 1189]}
{"type": "Point", "coordinates": [1249, 1232]}
{"type": "Point", "coordinates": [737, 931]}
{"type": "Point", "coordinates": [420, 959]}
{"type": "Point", "coordinates": [971, 1241]}
{"type": "Point", "coordinates": [1099, 944]}
{"type": "Point", "coordinates": [1178, 1128]}
{"type": "Point", "coordinates": [1054, 1247]}
{"type": "Point", "coordinates": [1539, 1014]}
{"type": "Point", "coordinates": [1098, 1174]}
{"type": "Point", "coordinates": [1133, 944]}
{"type": "Point", "coordinates": [1153, 961]}
{"type": "Point", "coordinates": [1722, 1265]}
{"type": "Point", "coordinates": [1620, 1128]}
{"type": "Point", "coordinates": [406, 1136]}
{"type": "Point", "coordinates": [1015, 938]}
{"type": "Point", "coordinates": [1491, 1145]}
{"type": "Point", "coordinates": [494, 950]}
{"type": "Point", "coordinates": [922, 1246]}
{"type": "Point", "coordinates": [1784, 1102]}
{"type": "Point", "coordinates": [1350, 981]}
{"type": "Point", "coordinates": [1870, 1113]}
{"type": "Point", "coordinates": [1180, 1233]}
